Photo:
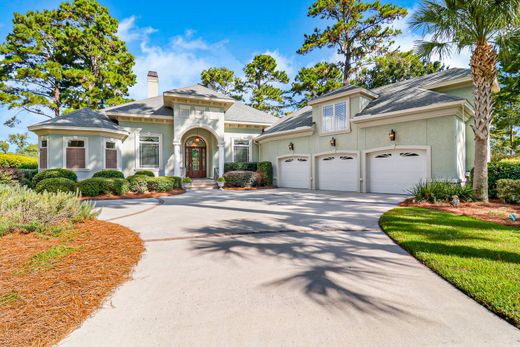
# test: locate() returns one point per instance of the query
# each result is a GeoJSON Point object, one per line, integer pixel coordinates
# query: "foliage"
{"type": "Point", "coordinates": [18, 161]}
{"type": "Point", "coordinates": [26, 210]}
{"type": "Point", "coordinates": [100, 185]}
{"type": "Point", "coordinates": [434, 191]}
{"type": "Point", "coordinates": [357, 29]}
{"type": "Point", "coordinates": [241, 166]}
{"type": "Point", "coordinates": [509, 190]}
{"type": "Point", "coordinates": [4, 147]}
{"type": "Point", "coordinates": [10, 175]}
{"type": "Point", "coordinates": [501, 170]}
{"type": "Point", "coordinates": [54, 185]}
{"type": "Point", "coordinates": [260, 76]}
{"type": "Point", "coordinates": [163, 183]}
{"type": "Point", "coordinates": [23, 147]}
{"type": "Point", "coordinates": [265, 169]}
{"type": "Point", "coordinates": [223, 81]}
{"type": "Point", "coordinates": [138, 183]}
{"type": "Point", "coordinates": [483, 27]}
{"type": "Point", "coordinates": [145, 173]}
{"type": "Point", "coordinates": [64, 58]}
{"type": "Point", "coordinates": [44, 259]}
{"type": "Point", "coordinates": [311, 82]}
{"type": "Point", "coordinates": [221, 179]}
{"type": "Point", "coordinates": [55, 173]}
{"type": "Point", "coordinates": [109, 174]}
{"type": "Point", "coordinates": [480, 258]}
{"type": "Point", "coordinates": [395, 67]}
{"type": "Point", "coordinates": [186, 180]}
{"type": "Point", "coordinates": [242, 179]}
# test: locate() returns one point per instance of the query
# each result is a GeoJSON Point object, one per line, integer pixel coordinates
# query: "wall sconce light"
{"type": "Point", "coordinates": [291, 146]}
{"type": "Point", "coordinates": [333, 142]}
{"type": "Point", "coordinates": [391, 135]}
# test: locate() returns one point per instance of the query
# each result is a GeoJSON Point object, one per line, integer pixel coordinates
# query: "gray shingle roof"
{"type": "Point", "coordinates": [240, 112]}
{"type": "Point", "coordinates": [298, 119]}
{"type": "Point", "coordinates": [83, 118]}
{"type": "Point", "coordinates": [149, 107]}
{"type": "Point", "coordinates": [199, 91]}
{"type": "Point", "coordinates": [412, 93]}
{"type": "Point", "coordinates": [336, 91]}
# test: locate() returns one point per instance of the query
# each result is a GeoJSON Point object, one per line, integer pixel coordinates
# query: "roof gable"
{"type": "Point", "coordinates": [83, 118]}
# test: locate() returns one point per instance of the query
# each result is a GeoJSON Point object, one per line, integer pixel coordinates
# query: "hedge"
{"type": "Point", "coordinates": [245, 166]}
{"type": "Point", "coordinates": [147, 173]}
{"type": "Point", "coordinates": [242, 179]}
{"type": "Point", "coordinates": [99, 185]}
{"type": "Point", "coordinates": [163, 183]}
{"type": "Point", "coordinates": [109, 174]}
{"type": "Point", "coordinates": [265, 169]}
{"type": "Point", "coordinates": [54, 185]}
{"type": "Point", "coordinates": [54, 173]}
{"type": "Point", "coordinates": [509, 190]}
{"type": "Point", "coordinates": [17, 161]}
{"type": "Point", "coordinates": [138, 183]}
{"type": "Point", "coordinates": [506, 169]}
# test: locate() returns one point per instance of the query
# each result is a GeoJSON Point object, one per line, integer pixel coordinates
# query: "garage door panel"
{"type": "Point", "coordinates": [294, 172]}
{"type": "Point", "coordinates": [396, 171]}
{"type": "Point", "coordinates": [338, 172]}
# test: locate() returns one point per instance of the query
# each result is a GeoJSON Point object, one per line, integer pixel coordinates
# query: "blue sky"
{"type": "Point", "coordinates": [180, 38]}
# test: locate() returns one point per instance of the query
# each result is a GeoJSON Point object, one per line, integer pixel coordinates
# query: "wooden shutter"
{"type": "Point", "coordinates": [110, 158]}
{"type": "Point", "coordinates": [75, 158]}
{"type": "Point", "coordinates": [43, 158]}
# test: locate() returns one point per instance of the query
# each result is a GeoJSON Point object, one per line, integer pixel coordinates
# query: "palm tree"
{"type": "Point", "coordinates": [484, 26]}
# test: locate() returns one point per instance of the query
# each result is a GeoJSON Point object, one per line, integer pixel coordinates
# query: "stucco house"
{"type": "Point", "coordinates": [382, 140]}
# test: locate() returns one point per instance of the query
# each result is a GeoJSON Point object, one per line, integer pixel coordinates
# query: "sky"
{"type": "Point", "coordinates": [179, 39]}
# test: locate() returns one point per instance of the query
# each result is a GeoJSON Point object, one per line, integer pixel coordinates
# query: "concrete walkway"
{"type": "Point", "coordinates": [279, 267]}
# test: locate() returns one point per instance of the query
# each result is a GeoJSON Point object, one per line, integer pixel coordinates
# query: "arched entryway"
{"type": "Point", "coordinates": [195, 157]}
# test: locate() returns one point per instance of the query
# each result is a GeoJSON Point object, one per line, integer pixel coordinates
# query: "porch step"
{"type": "Point", "coordinates": [203, 183]}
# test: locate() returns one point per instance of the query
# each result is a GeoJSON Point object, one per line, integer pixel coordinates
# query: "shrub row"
{"type": "Point", "coordinates": [497, 170]}
{"type": "Point", "coordinates": [17, 161]}
{"type": "Point", "coordinates": [109, 174]}
{"type": "Point", "coordinates": [244, 166]}
{"type": "Point", "coordinates": [509, 190]}
{"type": "Point", "coordinates": [242, 179]}
{"type": "Point", "coordinates": [434, 191]}
{"type": "Point", "coordinates": [54, 173]}
{"type": "Point", "coordinates": [263, 168]}
{"type": "Point", "coordinates": [99, 185]}
{"type": "Point", "coordinates": [139, 183]}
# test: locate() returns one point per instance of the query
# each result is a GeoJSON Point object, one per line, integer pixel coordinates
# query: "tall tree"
{"type": "Point", "coordinates": [394, 67]}
{"type": "Point", "coordinates": [357, 29]}
{"type": "Point", "coordinates": [224, 81]}
{"type": "Point", "coordinates": [20, 141]}
{"type": "Point", "coordinates": [481, 26]}
{"type": "Point", "coordinates": [317, 80]}
{"type": "Point", "coordinates": [4, 146]}
{"type": "Point", "coordinates": [261, 77]}
{"type": "Point", "coordinates": [66, 58]}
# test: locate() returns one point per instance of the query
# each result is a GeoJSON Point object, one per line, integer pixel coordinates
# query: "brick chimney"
{"type": "Point", "coordinates": [153, 84]}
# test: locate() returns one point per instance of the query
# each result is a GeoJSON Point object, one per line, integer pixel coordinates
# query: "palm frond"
{"type": "Point", "coordinates": [427, 49]}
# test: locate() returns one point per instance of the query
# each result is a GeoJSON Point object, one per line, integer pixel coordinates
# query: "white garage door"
{"type": "Point", "coordinates": [396, 171]}
{"type": "Point", "coordinates": [338, 172]}
{"type": "Point", "coordinates": [294, 172]}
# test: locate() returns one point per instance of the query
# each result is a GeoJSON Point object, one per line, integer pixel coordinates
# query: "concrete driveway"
{"type": "Point", "coordinates": [279, 267]}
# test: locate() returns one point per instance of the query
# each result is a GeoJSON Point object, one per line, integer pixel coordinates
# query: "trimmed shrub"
{"type": "Point", "coordinates": [109, 174]}
{"type": "Point", "coordinates": [434, 191]}
{"type": "Point", "coordinates": [119, 186]}
{"type": "Point", "coordinates": [509, 190]}
{"type": "Point", "coordinates": [145, 173]}
{"type": "Point", "coordinates": [138, 183]}
{"type": "Point", "coordinates": [17, 161]}
{"type": "Point", "coordinates": [99, 185]}
{"type": "Point", "coordinates": [54, 173]}
{"type": "Point", "coordinates": [242, 179]}
{"type": "Point", "coordinates": [265, 169]}
{"type": "Point", "coordinates": [54, 185]}
{"type": "Point", "coordinates": [245, 166]}
{"type": "Point", "coordinates": [161, 184]}
{"type": "Point", "coordinates": [498, 170]}
{"type": "Point", "coordinates": [29, 174]}
{"type": "Point", "coordinates": [23, 209]}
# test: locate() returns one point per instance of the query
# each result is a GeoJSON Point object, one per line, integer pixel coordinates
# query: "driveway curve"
{"type": "Point", "coordinates": [280, 267]}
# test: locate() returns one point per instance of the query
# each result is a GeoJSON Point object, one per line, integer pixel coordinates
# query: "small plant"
{"type": "Point", "coordinates": [435, 191]}
{"type": "Point", "coordinates": [45, 259]}
{"type": "Point", "coordinates": [138, 183]}
{"type": "Point", "coordinates": [186, 180]}
{"type": "Point", "coordinates": [54, 173]}
{"type": "Point", "coordinates": [109, 174]}
{"type": "Point", "coordinates": [7, 298]}
{"type": "Point", "coordinates": [54, 185]}
{"type": "Point", "coordinates": [145, 173]}
{"type": "Point", "coordinates": [509, 190]}
{"type": "Point", "coordinates": [221, 179]}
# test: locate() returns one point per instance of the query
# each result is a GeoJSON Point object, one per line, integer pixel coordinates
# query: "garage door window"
{"type": "Point", "coordinates": [335, 117]}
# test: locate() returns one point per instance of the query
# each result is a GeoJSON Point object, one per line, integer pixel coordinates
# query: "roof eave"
{"type": "Point", "coordinates": [358, 90]}
{"type": "Point", "coordinates": [301, 131]}
{"type": "Point", "coordinates": [35, 128]}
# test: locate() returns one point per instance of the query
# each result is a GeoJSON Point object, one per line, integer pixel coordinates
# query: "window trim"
{"type": "Point", "coordinates": [249, 148]}
{"type": "Point", "coordinates": [117, 149]}
{"type": "Point", "coordinates": [138, 153]}
{"type": "Point", "coordinates": [40, 140]}
{"type": "Point", "coordinates": [65, 146]}
{"type": "Point", "coordinates": [335, 130]}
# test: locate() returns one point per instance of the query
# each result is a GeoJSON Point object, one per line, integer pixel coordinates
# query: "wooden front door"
{"type": "Point", "coordinates": [196, 158]}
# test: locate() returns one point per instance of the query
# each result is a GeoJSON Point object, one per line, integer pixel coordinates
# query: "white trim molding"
{"type": "Point", "coordinates": [297, 132]}
{"type": "Point", "coordinates": [249, 147]}
{"type": "Point", "coordinates": [71, 128]}
{"type": "Point", "coordinates": [117, 148]}
{"type": "Point", "coordinates": [137, 151]}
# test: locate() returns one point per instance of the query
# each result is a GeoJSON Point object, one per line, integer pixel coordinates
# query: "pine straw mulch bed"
{"type": "Point", "coordinates": [132, 195]}
{"type": "Point", "coordinates": [492, 211]}
{"type": "Point", "coordinates": [43, 300]}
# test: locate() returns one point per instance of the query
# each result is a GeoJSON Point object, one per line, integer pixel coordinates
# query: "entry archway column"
{"type": "Point", "coordinates": [221, 157]}
{"type": "Point", "coordinates": [177, 158]}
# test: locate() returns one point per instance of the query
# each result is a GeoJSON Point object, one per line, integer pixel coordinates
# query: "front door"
{"type": "Point", "coordinates": [195, 157]}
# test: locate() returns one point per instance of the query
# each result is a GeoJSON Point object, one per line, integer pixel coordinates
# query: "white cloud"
{"type": "Point", "coordinates": [129, 32]}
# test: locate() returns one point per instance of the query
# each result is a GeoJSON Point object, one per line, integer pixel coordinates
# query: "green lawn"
{"type": "Point", "coordinates": [480, 258]}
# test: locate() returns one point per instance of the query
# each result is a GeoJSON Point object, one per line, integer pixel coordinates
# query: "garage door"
{"type": "Point", "coordinates": [338, 172]}
{"type": "Point", "coordinates": [294, 172]}
{"type": "Point", "coordinates": [396, 171]}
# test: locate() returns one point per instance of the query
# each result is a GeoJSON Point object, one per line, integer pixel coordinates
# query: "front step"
{"type": "Point", "coordinates": [203, 183]}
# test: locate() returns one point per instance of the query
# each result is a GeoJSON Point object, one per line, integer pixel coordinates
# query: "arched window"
{"type": "Point", "coordinates": [195, 141]}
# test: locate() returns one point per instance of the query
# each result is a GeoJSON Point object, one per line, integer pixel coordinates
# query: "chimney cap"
{"type": "Point", "coordinates": [153, 74]}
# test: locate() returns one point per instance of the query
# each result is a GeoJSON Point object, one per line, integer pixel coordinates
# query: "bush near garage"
{"type": "Point", "coordinates": [497, 170]}
{"type": "Point", "coordinates": [99, 185]}
{"type": "Point", "coordinates": [54, 173]}
{"type": "Point", "coordinates": [54, 185]}
{"type": "Point", "coordinates": [242, 179]}
{"type": "Point", "coordinates": [265, 169]}
{"type": "Point", "coordinates": [147, 173]}
{"type": "Point", "coordinates": [109, 174]}
{"type": "Point", "coordinates": [244, 166]}
{"type": "Point", "coordinates": [17, 161]}
{"type": "Point", "coordinates": [509, 190]}
{"type": "Point", "coordinates": [436, 191]}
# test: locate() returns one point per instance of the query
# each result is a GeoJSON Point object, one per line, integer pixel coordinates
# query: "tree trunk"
{"type": "Point", "coordinates": [512, 140]}
{"type": "Point", "coordinates": [56, 99]}
{"type": "Point", "coordinates": [483, 68]}
{"type": "Point", "coordinates": [346, 70]}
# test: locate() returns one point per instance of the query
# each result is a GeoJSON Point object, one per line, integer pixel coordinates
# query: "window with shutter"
{"type": "Point", "coordinates": [110, 155]}
{"type": "Point", "coordinates": [75, 154]}
{"type": "Point", "coordinates": [43, 154]}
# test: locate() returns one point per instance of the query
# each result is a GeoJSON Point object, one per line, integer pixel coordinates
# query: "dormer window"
{"type": "Point", "coordinates": [335, 117]}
